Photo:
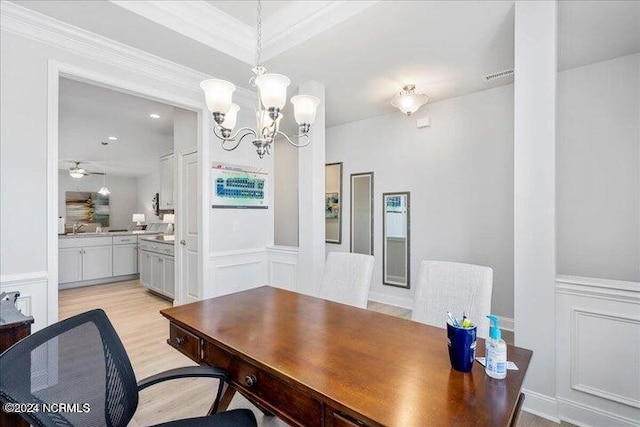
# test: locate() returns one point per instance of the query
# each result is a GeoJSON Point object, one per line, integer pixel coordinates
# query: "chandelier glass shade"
{"type": "Point", "coordinates": [272, 99]}
{"type": "Point", "coordinates": [408, 101]}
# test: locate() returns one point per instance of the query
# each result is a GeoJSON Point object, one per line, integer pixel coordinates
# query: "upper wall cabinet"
{"type": "Point", "coordinates": [167, 167]}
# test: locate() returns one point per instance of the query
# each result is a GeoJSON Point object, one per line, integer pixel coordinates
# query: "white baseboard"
{"type": "Point", "coordinates": [587, 416]}
{"type": "Point", "coordinates": [541, 405]}
{"type": "Point", "coordinates": [391, 300]}
{"type": "Point", "coordinates": [103, 281]}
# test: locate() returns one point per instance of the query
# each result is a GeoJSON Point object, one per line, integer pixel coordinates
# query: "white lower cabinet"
{"type": "Point", "coordinates": [145, 268]}
{"type": "Point", "coordinates": [97, 262]}
{"type": "Point", "coordinates": [125, 259]}
{"type": "Point", "coordinates": [69, 265]}
{"type": "Point", "coordinates": [157, 271]}
{"type": "Point", "coordinates": [84, 259]}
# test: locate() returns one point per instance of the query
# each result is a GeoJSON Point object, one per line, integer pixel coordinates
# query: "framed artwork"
{"type": "Point", "coordinates": [239, 187]}
{"type": "Point", "coordinates": [87, 207]}
{"type": "Point", "coordinates": [332, 205]}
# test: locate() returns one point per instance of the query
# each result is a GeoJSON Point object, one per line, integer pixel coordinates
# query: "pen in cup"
{"type": "Point", "coordinates": [452, 319]}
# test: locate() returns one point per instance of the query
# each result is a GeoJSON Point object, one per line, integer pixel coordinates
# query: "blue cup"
{"type": "Point", "coordinates": [462, 347]}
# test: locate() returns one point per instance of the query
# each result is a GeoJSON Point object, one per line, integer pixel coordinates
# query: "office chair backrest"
{"type": "Point", "coordinates": [79, 360]}
{"type": "Point", "coordinates": [456, 287]}
{"type": "Point", "coordinates": [347, 278]}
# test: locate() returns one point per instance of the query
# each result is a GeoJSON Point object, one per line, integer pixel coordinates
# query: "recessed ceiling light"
{"type": "Point", "coordinates": [154, 116]}
{"type": "Point", "coordinates": [113, 138]}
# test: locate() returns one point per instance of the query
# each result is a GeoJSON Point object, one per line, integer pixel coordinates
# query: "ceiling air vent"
{"type": "Point", "coordinates": [499, 75]}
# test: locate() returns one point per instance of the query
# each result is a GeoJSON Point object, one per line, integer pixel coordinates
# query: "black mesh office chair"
{"type": "Point", "coordinates": [81, 360]}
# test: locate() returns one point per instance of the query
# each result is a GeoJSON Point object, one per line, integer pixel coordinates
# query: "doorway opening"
{"type": "Point", "coordinates": [120, 199]}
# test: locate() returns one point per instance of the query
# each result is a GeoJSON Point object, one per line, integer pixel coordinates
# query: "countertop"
{"type": "Point", "coordinates": [107, 234]}
{"type": "Point", "coordinates": [168, 241]}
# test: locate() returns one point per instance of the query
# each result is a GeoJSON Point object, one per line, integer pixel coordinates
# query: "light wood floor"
{"type": "Point", "coordinates": [135, 315]}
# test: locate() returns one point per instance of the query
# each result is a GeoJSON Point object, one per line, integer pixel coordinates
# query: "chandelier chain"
{"type": "Point", "coordinates": [259, 34]}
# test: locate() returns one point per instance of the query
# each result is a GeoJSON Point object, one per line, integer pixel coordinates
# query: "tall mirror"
{"type": "Point", "coordinates": [362, 213]}
{"type": "Point", "coordinates": [395, 239]}
{"type": "Point", "coordinates": [333, 203]}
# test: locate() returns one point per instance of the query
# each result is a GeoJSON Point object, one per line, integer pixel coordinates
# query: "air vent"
{"type": "Point", "coordinates": [499, 75]}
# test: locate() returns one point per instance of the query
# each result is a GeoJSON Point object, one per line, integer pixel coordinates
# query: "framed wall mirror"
{"type": "Point", "coordinates": [361, 241]}
{"type": "Point", "coordinates": [333, 203]}
{"type": "Point", "coordinates": [395, 239]}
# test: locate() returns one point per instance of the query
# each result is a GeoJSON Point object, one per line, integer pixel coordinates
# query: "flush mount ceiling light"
{"type": "Point", "coordinates": [408, 101]}
{"type": "Point", "coordinates": [154, 116]}
{"type": "Point", "coordinates": [113, 138]}
{"type": "Point", "coordinates": [272, 90]}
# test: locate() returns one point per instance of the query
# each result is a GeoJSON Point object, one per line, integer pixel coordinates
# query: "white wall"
{"type": "Point", "coordinates": [148, 186]}
{"type": "Point", "coordinates": [185, 130]}
{"type": "Point", "coordinates": [236, 229]}
{"type": "Point", "coordinates": [460, 174]}
{"type": "Point", "coordinates": [31, 46]}
{"type": "Point", "coordinates": [286, 195]}
{"type": "Point", "coordinates": [598, 170]}
{"type": "Point", "coordinates": [123, 200]}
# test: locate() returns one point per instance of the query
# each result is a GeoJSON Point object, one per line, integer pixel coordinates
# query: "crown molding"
{"type": "Point", "coordinates": [201, 22]}
{"type": "Point", "coordinates": [294, 24]}
{"type": "Point", "coordinates": [41, 28]}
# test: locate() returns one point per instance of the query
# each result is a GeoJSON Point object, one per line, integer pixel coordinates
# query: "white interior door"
{"type": "Point", "coordinates": [188, 228]}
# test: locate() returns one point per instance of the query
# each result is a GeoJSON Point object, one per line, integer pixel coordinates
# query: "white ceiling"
{"type": "Point", "coordinates": [245, 11]}
{"type": "Point", "coordinates": [362, 51]}
{"type": "Point", "coordinates": [90, 114]}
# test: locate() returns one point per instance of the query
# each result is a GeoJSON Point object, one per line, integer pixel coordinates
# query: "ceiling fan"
{"type": "Point", "coordinates": [78, 172]}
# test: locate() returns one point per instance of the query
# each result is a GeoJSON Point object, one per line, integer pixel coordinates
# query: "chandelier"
{"type": "Point", "coordinates": [272, 90]}
{"type": "Point", "coordinates": [408, 101]}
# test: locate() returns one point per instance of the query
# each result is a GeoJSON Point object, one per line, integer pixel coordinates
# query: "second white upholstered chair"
{"type": "Point", "coordinates": [347, 278]}
{"type": "Point", "coordinates": [456, 287]}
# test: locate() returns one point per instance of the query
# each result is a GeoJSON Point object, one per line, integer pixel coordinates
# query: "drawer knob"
{"type": "Point", "coordinates": [250, 380]}
{"type": "Point", "coordinates": [178, 340]}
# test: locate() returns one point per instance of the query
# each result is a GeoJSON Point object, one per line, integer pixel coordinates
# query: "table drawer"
{"type": "Point", "coordinates": [339, 419]}
{"type": "Point", "coordinates": [123, 240]}
{"type": "Point", "coordinates": [268, 390]}
{"type": "Point", "coordinates": [184, 341]}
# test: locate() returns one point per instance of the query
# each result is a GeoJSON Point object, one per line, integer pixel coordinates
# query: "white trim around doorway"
{"type": "Point", "coordinates": [58, 69]}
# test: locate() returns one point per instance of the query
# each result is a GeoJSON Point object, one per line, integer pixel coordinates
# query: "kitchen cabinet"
{"type": "Point", "coordinates": [157, 267]}
{"type": "Point", "coordinates": [125, 255]}
{"type": "Point", "coordinates": [69, 265]}
{"type": "Point", "coordinates": [82, 259]}
{"type": "Point", "coordinates": [145, 268]}
{"type": "Point", "coordinates": [97, 262]}
{"type": "Point", "coordinates": [167, 168]}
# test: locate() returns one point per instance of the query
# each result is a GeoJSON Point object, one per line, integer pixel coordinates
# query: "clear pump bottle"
{"type": "Point", "coordinates": [496, 351]}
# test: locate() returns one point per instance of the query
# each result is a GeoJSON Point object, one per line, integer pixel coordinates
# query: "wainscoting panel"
{"type": "Point", "coordinates": [601, 339]}
{"type": "Point", "coordinates": [283, 267]}
{"type": "Point", "coordinates": [598, 338]}
{"type": "Point", "coordinates": [236, 271]}
{"type": "Point", "coordinates": [33, 291]}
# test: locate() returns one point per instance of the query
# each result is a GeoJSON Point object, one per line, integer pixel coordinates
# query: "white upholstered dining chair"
{"type": "Point", "coordinates": [456, 287]}
{"type": "Point", "coordinates": [347, 278]}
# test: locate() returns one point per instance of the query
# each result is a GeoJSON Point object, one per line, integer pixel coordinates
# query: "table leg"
{"type": "Point", "coordinates": [225, 400]}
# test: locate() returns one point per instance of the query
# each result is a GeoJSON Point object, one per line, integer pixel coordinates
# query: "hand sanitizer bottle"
{"type": "Point", "coordinates": [496, 351]}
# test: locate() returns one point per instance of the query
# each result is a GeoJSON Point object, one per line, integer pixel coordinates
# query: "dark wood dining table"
{"type": "Point", "coordinates": [314, 362]}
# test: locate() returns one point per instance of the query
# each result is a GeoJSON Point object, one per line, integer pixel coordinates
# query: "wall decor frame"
{"type": "Point", "coordinates": [87, 207]}
{"type": "Point", "coordinates": [333, 203]}
{"type": "Point", "coordinates": [361, 213]}
{"type": "Point", "coordinates": [396, 242]}
{"type": "Point", "coordinates": [239, 187]}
